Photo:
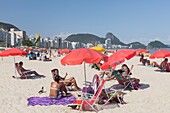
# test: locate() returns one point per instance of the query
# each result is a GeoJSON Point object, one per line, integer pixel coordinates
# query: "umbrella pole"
{"type": "Point", "coordinates": [85, 73]}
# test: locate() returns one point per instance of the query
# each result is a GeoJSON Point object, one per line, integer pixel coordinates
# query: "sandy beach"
{"type": "Point", "coordinates": [152, 97]}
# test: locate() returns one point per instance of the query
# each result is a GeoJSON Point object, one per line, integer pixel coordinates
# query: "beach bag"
{"type": "Point", "coordinates": [88, 89]}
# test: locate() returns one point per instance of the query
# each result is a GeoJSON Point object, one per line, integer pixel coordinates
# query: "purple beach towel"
{"type": "Point", "coordinates": [47, 101]}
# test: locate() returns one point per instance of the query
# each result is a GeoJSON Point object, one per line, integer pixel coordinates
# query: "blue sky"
{"type": "Point", "coordinates": [129, 20]}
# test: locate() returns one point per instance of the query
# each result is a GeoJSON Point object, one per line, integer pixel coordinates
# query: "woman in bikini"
{"type": "Point", "coordinates": [121, 75]}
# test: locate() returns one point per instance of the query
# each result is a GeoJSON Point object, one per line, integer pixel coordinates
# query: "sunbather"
{"type": "Point", "coordinates": [57, 89]}
{"type": "Point", "coordinates": [144, 61]}
{"type": "Point", "coordinates": [164, 65]}
{"type": "Point", "coordinates": [68, 82]}
{"type": "Point", "coordinates": [26, 70]}
{"type": "Point", "coordinates": [121, 76]}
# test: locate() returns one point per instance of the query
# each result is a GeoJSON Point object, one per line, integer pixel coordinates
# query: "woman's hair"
{"type": "Point", "coordinates": [126, 67]}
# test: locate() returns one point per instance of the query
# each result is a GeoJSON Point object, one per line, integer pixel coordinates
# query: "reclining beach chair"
{"type": "Point", "coordinates": [127, 84]}
{"type": "Point", "coordinates": [89, 104]}
{"type": "Point", "coordinates": [22, 74]}
{"type": "Point", "coordinates": [130, 84]}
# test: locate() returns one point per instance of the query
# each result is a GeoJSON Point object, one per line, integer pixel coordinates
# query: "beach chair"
{"type": "Point", "coordinates": [93, 84]}
{"type": "Point", "coordinates": [127, 84]}
{"type": "Point", "coordinates": [85, 103]}
{"type": "Point", "coordinates": [130, 84]}
{"type": "Point", "coordinates": [22, 74]}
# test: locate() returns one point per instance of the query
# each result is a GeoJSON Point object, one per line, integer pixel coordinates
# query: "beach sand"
{"type": "Point", "coordinates": [152, 97]}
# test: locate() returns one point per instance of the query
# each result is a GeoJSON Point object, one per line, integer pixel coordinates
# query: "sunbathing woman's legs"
{"type": "Point", "coordinates": [155, 64]}
{"type": "Point", "coordinates": [73, 82]}
{"type": "Point", "coordinates": [63, 88]}
{"type": "Point", "coordinates": [135, 80]}
{"type": "Point", "coordinates": [127, 81]}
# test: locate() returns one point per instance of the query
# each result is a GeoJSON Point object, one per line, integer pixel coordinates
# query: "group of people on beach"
{"type": "Point", "coordinates": [60, 84]}
{"type": "Point", "coordinates": [121, 75]}
{"type": "Point", "coordinates": [164, 65]}
{"type": "Point", "coordinates": [40, 55]}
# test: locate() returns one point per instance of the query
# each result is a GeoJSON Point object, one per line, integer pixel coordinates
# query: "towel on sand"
{"type": "Point", "coordinates": [47, 101]}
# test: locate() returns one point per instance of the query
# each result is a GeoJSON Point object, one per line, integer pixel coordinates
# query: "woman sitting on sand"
{"type": "Point", "coordinates": [67, 82]}
{"type": "Point", "coordinates": [144, 61]}
{"type": "Point", "coordinates": [121, 76]}
{"type": "Point", "coordinates": [57, 89]}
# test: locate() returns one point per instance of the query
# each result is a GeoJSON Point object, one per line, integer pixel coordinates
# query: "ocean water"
{"type": "Point", "coordinates": [154, 50]}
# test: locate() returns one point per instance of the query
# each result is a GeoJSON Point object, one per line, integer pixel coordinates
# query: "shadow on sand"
{"type": "Point", "coordinates": [141, 65]}
{"type": "Point", "coordinates": [30, 77]}
{"type": "Point", "coordinates": [159, 70]}
{"type": "Point", "coordinates": [121, 87]}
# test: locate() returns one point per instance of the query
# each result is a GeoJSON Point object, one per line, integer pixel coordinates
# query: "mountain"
{"type": "Point", "coordinates": [156, 45]}
{"type": "Point", "coordinates": [7, 26]}
{"type": "Point", "coordinates": [114, 39]}
{"type": "Point", "coordinates": [90, 38]}
{"type": "Point", "coordinates": [136, 45]}
{"type": "Point", "coordinates": [85, 38]}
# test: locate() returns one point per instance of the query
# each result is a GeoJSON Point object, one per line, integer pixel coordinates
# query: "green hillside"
{"type": "Point", "coordinates": [156, 45]}
{"type": "Point", "coordinates": [7, 26]}
{"type": "Point", "coordinates": [85, 38]}
{"type": "Point", "coordinates": [136, 45]}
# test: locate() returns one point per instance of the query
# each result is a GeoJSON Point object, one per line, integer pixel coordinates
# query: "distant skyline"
{"type": "Point", "coordinates": [129, 20]}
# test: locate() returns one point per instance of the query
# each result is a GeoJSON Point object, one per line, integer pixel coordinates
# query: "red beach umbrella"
{"type": "Point", "coordinates": [66, 51]}
{"type": "Point", "coordinates": [13, 52]}
{"type": "Point", "coordinates": [160, 54]}
{"type": "Point", "coordinates": [86, 55]}
{"type": "Point", "coordinates": [118, 58]}
{"type": "Point", "coordinates": [128, 53]}
{"type": "Point", "coordinates": [81, 55]}
{"type": "Point", "coordinates": [139, 51]}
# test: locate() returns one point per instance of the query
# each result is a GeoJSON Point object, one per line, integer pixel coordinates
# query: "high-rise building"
{"type": "Point", "coordinates": [108, 43]}
{"type": "Point", "coordinates": [67, 44]}
{"type": "Point", "coordinates": [58, 42]}
{"type": "Point", "coordinates": [17, 36]}
{"type": "Point", "coordinates": [5, 38]}
{"type": "Point", "coordinates": [46, 42]}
